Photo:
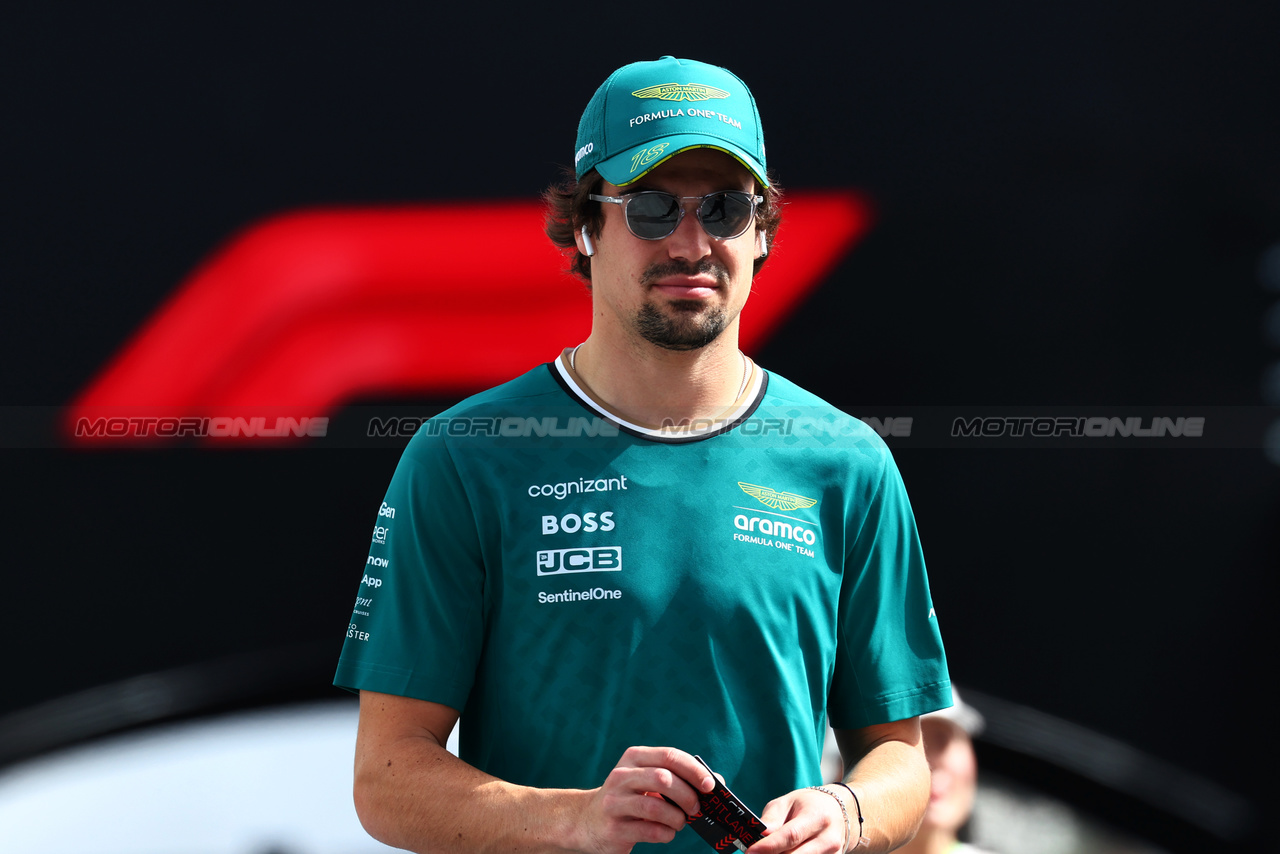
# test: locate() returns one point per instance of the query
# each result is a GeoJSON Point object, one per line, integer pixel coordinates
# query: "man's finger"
{"type": "Point", "coordinates": [675, 760]}
{"type": "Point", "coordinates": [775, 813]}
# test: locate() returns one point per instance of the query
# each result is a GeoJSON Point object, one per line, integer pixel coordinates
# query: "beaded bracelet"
{"type": "Point", "coordinates": [844, 812]}
{"type": "Point", "coordinates": [862, 839]}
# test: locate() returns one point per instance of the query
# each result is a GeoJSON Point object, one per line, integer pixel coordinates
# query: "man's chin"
{"type": "Point", "coordinates": [687, 325]}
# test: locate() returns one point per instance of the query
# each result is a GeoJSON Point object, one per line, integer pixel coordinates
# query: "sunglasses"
{"type": "Point", "coordinates": [653, 215]}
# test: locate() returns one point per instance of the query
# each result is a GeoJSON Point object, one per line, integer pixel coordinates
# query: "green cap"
{"type": "Point", "coordinates": [648, 112]}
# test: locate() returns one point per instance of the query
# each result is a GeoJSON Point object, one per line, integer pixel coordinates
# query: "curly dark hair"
{"type": "Point", "coordinates": [568, 209]}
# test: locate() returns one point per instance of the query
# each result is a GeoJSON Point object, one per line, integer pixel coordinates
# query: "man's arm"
{"type": "Point", "coordinates": [885, 764]}
{"type": "Point", "coordinates": [410, 792]}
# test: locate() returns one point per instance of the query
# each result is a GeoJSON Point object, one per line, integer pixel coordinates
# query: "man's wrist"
{"type": "Point", "coordinates": [844, 811]}
{"type": "Point", "coordinates": [571, 809]}
{"type": "Point", "coordinates": [861, 838]}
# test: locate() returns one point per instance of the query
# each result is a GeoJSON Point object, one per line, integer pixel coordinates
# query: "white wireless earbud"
{"type": "Point", "coordinates": [588, 248]}
{"type": "Point", "coordinates": [762, 243]}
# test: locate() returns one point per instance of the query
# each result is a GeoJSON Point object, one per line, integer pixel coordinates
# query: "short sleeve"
{"type": "Point", "coordinates": [418, 623]}
{"type": "Point", "coordinates": [890, 663]}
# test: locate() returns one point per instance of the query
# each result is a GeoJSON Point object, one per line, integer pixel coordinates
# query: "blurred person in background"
{"type": "Point", "coordinates": [948, 745]}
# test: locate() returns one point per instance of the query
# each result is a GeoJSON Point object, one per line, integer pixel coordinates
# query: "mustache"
{"type": "Point", "coordinates": [676, 267]}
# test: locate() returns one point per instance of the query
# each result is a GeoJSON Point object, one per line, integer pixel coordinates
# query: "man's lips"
{"type": "Point", "coordinates": [687, 287]}
{"type": "Point", "coordinates": [678, 280]}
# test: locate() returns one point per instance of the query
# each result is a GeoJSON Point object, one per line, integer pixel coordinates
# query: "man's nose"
{"type": "Point", "coordinates": [690, 240]}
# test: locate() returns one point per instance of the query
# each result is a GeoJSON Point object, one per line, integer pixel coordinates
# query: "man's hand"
{"type": "Point", "coordinates": [411, 793]}
{"type": "Point", "coordinates": [805, 821]}
{"type": "Point", "coordinates": [630, 807]}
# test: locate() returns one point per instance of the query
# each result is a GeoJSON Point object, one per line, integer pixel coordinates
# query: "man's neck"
{"type": "Point", "coordinates": [655, 387]}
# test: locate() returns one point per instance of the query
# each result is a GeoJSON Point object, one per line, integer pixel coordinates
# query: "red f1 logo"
{"type": "Point", "coordinates": [306, 311]}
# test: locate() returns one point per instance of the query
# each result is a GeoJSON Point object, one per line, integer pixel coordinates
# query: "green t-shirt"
{"type": "Point", "coordinates": [576, 585]}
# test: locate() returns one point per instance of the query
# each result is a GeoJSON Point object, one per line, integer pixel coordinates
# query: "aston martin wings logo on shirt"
{"type": "Point", "coordinates": [777, 500]}
{"type": "Point", "coordinates": [681, 92]}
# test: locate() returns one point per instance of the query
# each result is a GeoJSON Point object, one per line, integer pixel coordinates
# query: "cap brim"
{"type": "Point", "coordinates": [617, 170]}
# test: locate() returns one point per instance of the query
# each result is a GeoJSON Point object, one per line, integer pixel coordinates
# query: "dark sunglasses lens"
{"type": "Point", "coordinates": [726, 215]}
{"type": "Point", "coordinates": [652, 215]}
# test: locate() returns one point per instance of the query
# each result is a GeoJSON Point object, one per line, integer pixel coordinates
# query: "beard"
{"type": "Point", "coordinates": [690, 325]}
{"type": "Point", "coordinates": [686, 324]}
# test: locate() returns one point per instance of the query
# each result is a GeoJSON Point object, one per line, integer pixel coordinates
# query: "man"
{"type": "Point", "coordinates": [647, 550]}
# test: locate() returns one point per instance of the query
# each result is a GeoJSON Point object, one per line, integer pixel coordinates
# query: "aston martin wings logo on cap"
{"type": "Point", "coordinates": [681, 92]}
{"type": "Point", "coordinates": [777, 500]}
